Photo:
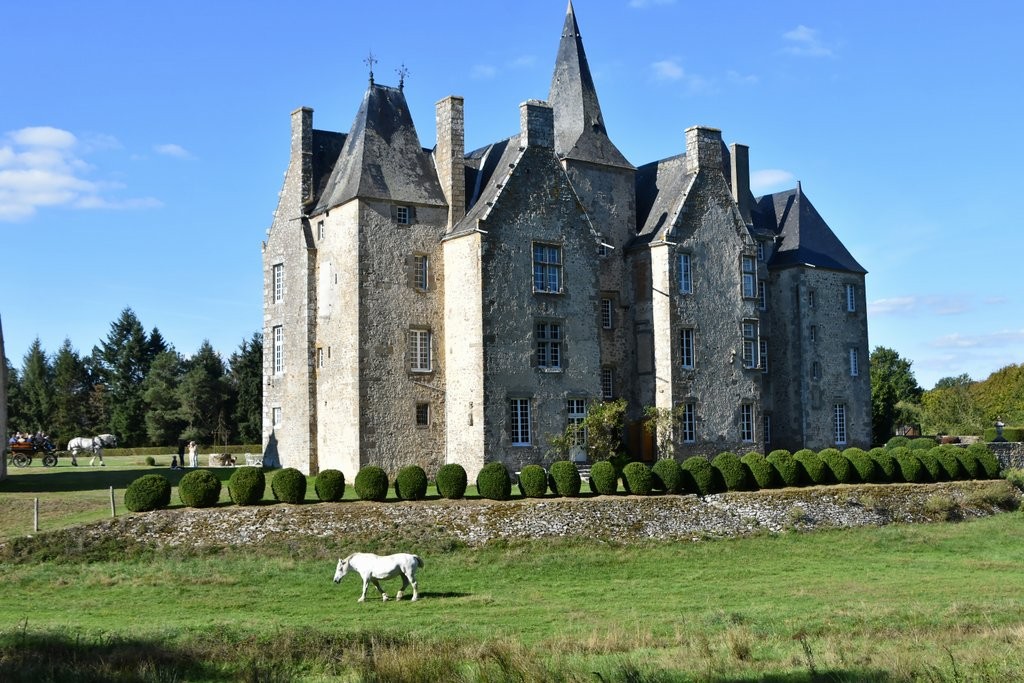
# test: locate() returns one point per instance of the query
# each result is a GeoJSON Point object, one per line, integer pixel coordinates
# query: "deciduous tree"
{"type": "Point", "coordinates": [894, 392]}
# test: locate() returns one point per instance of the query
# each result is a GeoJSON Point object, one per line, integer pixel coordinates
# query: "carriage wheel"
{"type": "Point", "coordinates": [22, 460]}
{"type": "Point", "coordinates": [49, 460]}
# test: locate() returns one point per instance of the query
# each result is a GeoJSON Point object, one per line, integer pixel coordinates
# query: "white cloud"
{"type": "Point", "coordinates": [740, 79]}
{"type": "Point", "coordinates": [977, 341]}
{"type": "Point", "coordinates": [483, 71]}
{"type": "Point", "coordinates": [172, 150]}
{"type": "Point", "coordinates": [895, 305]}
{"type": "Point", "coordinates": [769, 179]}
{"type": "Point", "coordinates": [668, 70]}
{"type": "Point", "coordinates": [805, 42]}
{"type": "Point", "coordinates": [41, 166]}
{"type": "Point", "coordinates": [522, 62]}
{"type": "Point", "coordinates": [914, 305]}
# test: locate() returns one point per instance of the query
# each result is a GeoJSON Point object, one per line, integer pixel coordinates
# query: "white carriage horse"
{"type": "Point", "coordinates": [374, 568]}
{"type": "Point", "coordinates": [94, 444]}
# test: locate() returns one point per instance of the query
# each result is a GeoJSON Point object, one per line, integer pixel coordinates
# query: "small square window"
{"type": "Point", "coordinates": [602, 250]}
{"type": "Point", "coordinates": [549, 345]}
{"type": "Point", "coordinates": [422, 414]}
{"type": "Point", "coordinates": [403, 215]}
{"type": "Point", "coordinates": [547, 268]}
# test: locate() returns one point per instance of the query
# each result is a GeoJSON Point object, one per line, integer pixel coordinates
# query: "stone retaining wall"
{"type": "Point", "coordinates": [1009, 453]}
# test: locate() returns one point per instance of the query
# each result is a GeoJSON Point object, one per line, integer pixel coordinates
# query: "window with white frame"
{"type": "Point", "coordinates": [851, 298]}
{"type": "Point", "coordinates": [686, 356]}
{"type": "Point", "coordinates": [403, 215]}
{"type": "Point", "coordinates": [420, 271]}
{"type": "Point", "coordinates": [749, 272]}
{"type": "Point", "coordinates": [854, 363]}
{"type": "Point", "coordinates": [422, 414]}
{"type": "Point", "coordinates": [319, 357]}
{"type": "Point", "coordinates": [839, 423]}
{"type": "Point", "coordinates": [762, 295]}
{"type": "Point", "coordinates": [320, 230]}
{"type": "Point", "coordinates": [746, 422]}
{"type": "Point", "coordinates": [547, 268]}
{"type": "Point", "coordinates": [419, 350]}
{"type": "Point", "coordinates": [278, 283]}
{"type": "Point", "coordinates": [685, 274]}
{"type": "Point", "coordinates": [763, 355]}
{"type": "Point", "coordinates": [576, 412]}
{"type": "Point", "coordinates": [760, 251]}
{"type": "Point", "coordinates": [520, 421]}
{"type": "Point", "coordinates": [606, 314]}
{"type": "Point", "coordinates": [766, 430]}
{"type": "Point", "coordinates": [750, 344]}
{"type": "Point", "coordinates": [688, 423]}
{"type": "Point", "coordinates": [275, 418]}
{"type": "Point", "coordinates": [607, 384]}
{"type": "Point", "coordinates": [549, 345]}
{"type": "Point", "coordinates": [278, 349]}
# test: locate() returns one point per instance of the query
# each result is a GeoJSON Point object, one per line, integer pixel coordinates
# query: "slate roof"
{"type": "Point", "coordinates": [804, 237]}
{"type": "Point", "coordinates": [381, 157]}
{"type": "Point", "coordinates": [326, 148]}
{"type": "Point", "coordinates": [486, 171]}
{"type": "Point", "coordinates": [661, 188]}
{"type": "Point", "coordinates": [579, 126]}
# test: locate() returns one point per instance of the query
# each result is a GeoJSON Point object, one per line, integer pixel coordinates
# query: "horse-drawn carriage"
{"type": "Point", "coordinates": [22, 452]}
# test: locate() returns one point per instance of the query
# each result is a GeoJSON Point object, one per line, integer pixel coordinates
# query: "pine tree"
{"type": "Point", "coordinates": [124, 359]}
{"type": "Point", "coordinates": [203, 393]}
{"type": "Point", "coordinates": [71, 390]}
{"type": "Point", "coordinates": [247, 385]}
{"type": "Point", "coordinates": [164, 419]}
{"type": "Point", "coordinates": [36, 389]}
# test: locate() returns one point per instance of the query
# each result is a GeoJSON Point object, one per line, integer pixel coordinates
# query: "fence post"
{"type": "Point", "coordinates": [35, 516]}
{"type": "Point", "coordinates": [113, 513]}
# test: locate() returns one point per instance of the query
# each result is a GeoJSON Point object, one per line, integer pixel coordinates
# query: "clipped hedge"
{"type": "Point", "coordinates": [604, 480]}
{"type": "Point", "coordinates": [910, 467]}
{"type": "Point", "coordinates": [885, 465]}
{"type": "Point", "coordinates": [760, 471]}
{"type": "Point", "coordinates": [411, 483]}
{"type": "Point", "coordinates": [289, 486]}
{"type": "Point", "coordinates": [988, 462]}
{"type": "Point", "coordinates": [668, 476]}
{"type": "Point", "coordinates": [247, 485]}
{"type": "Point", "coordinates": [199, 489]}
{"type": "Point", "coordinates": [933, 468]}
{"type": "Point", "coordinates": [732, 471]}
{"type": "Point", "coordinates": [371, 483]}
{"type": "Point", "coordinates": [922, 443]}
{"type": "Point", "coordinates": [638, 479]}
{"type": "Point", "coordinates": [951, 467]}
{"type": "Point", "coordinates": [969, 461]}
{"type": "Point", "coordinates": [494, 481]}
{"type": "Point", "coordinates": [148, 492]}
{"type": "Point", "coordinates": [533, 481]}
{"type": "Point", "coordinates": [564, 479]}
{"type": "Point", "coordinates": [787, 469]}
{"type": "Point", "coordinates": [814, 470]}
{"type": "Point", "coordinates": [866, 469]}
{"type": "Point", "coordinates": [451, 481]}
{"type": "Point", "coordinates": [898, 442]}
{"type": "Point", "coordinates": [842, 470]}
{"type": "Point", "coordinates": [700, 477]}
{"type": "Point", "coordinates": [330, 485]}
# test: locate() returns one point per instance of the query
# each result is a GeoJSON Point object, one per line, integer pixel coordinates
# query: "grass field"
{"type": "Point", "coordinates": [936, 602]}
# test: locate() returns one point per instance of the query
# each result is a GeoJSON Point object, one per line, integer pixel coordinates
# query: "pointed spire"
{"type": "Point", "coordinates": [579, 125]}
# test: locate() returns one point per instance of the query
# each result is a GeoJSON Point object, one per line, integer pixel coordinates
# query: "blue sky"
{"type": "Point", "coordinates": [142, 145]}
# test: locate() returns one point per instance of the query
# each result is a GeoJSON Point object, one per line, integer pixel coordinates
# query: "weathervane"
{"type": "Point", "coordinates": [370, 61]}
{"type": "Point", "coordinates": [402, 73]}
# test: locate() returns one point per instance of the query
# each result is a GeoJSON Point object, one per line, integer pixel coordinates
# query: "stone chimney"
{"type": "Point", "coordinates": [302, 150]}
{"type": "Point", "coordinates": [536, 124]}
{"type": "Point", "coordinates": [450, 155]}
{"type": "Point", "coordinates": [703, 149]}
{"type": "Point", "coordinates": [741, 179]}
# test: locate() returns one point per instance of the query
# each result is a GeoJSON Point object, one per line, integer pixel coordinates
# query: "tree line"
{"type": "Point", "coordinates": [956, 405]}
{"type": "Point", "coordinates": [135, 385]}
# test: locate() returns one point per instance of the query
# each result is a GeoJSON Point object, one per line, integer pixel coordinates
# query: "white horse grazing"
{"type": "Point", "coordinates": [374, 568]}
{"type": "Point", "coordinates": [93, 444]}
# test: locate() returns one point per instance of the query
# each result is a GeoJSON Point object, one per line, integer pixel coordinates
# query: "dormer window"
{"type": "Point", "coordinates": [403, 215]}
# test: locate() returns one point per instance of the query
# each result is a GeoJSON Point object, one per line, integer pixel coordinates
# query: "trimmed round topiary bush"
{"type": "Point", "coordinates": [898, 442]}
{"type": "Point", "coordinates": [148, 492]}
{"type": "Point", "coordinates": [787, 469]}
{"type": "Point", "coordinates": [637, 478]}
{"type": "Point", "coordinates": [289, 486]}
{"type": "Point", "coordinates": [972, 468]}
{"type": "Point", "coordinates": [732, 471]}
{"type": "Point", "coordinates": [932, 468]}
{"type": "Point", "coordinates": [885, 465]}
{"type": "Point", "coordinates": [411, 483]}
{"type": "Point", "coordinates": [814, 471]}
{"type": "Point", "coordinates": [151, 461]}
{"type": "Point", "coordinates": [922, 443]}
{"type": "Point", "coordinates": [199, 489]}
{"type": "Point", "coordinates": [910, 468]}
{"type": "Point", "coordinates": [533, 481]}
{"type": "Point", "coordinates": [951, 468]}
{"type": "Point", "coordinates": [330, 485]}
{"type": "Point", "coordinates": [760, 471]}
{"type": "Point", "coordinates": [989, 464]}
{"type": "Point", "coordinates": [247, 485]}
{"type": "Point", "coordinates": [451, 481]}
{"type": "Point", "coordinates": [564, 479]}
{"type": "Point", "coordinates": [700, 477]}
{"type": "Point", "coordinates": [867, 471]}
{"type": "Point", "coordinates": [371, 483]}
{"type": "Point", "coordinates": [668, 476]}
{"type": "Point", "coordinates": [494, 482]}
{"type": "Point", "coordinates": [841, 468]}
{"type": "Point", "coordinates": [604, 480]}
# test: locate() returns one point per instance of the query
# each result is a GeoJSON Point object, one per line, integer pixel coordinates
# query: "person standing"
{"type": "Point", "coordinates": [193, 454]}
